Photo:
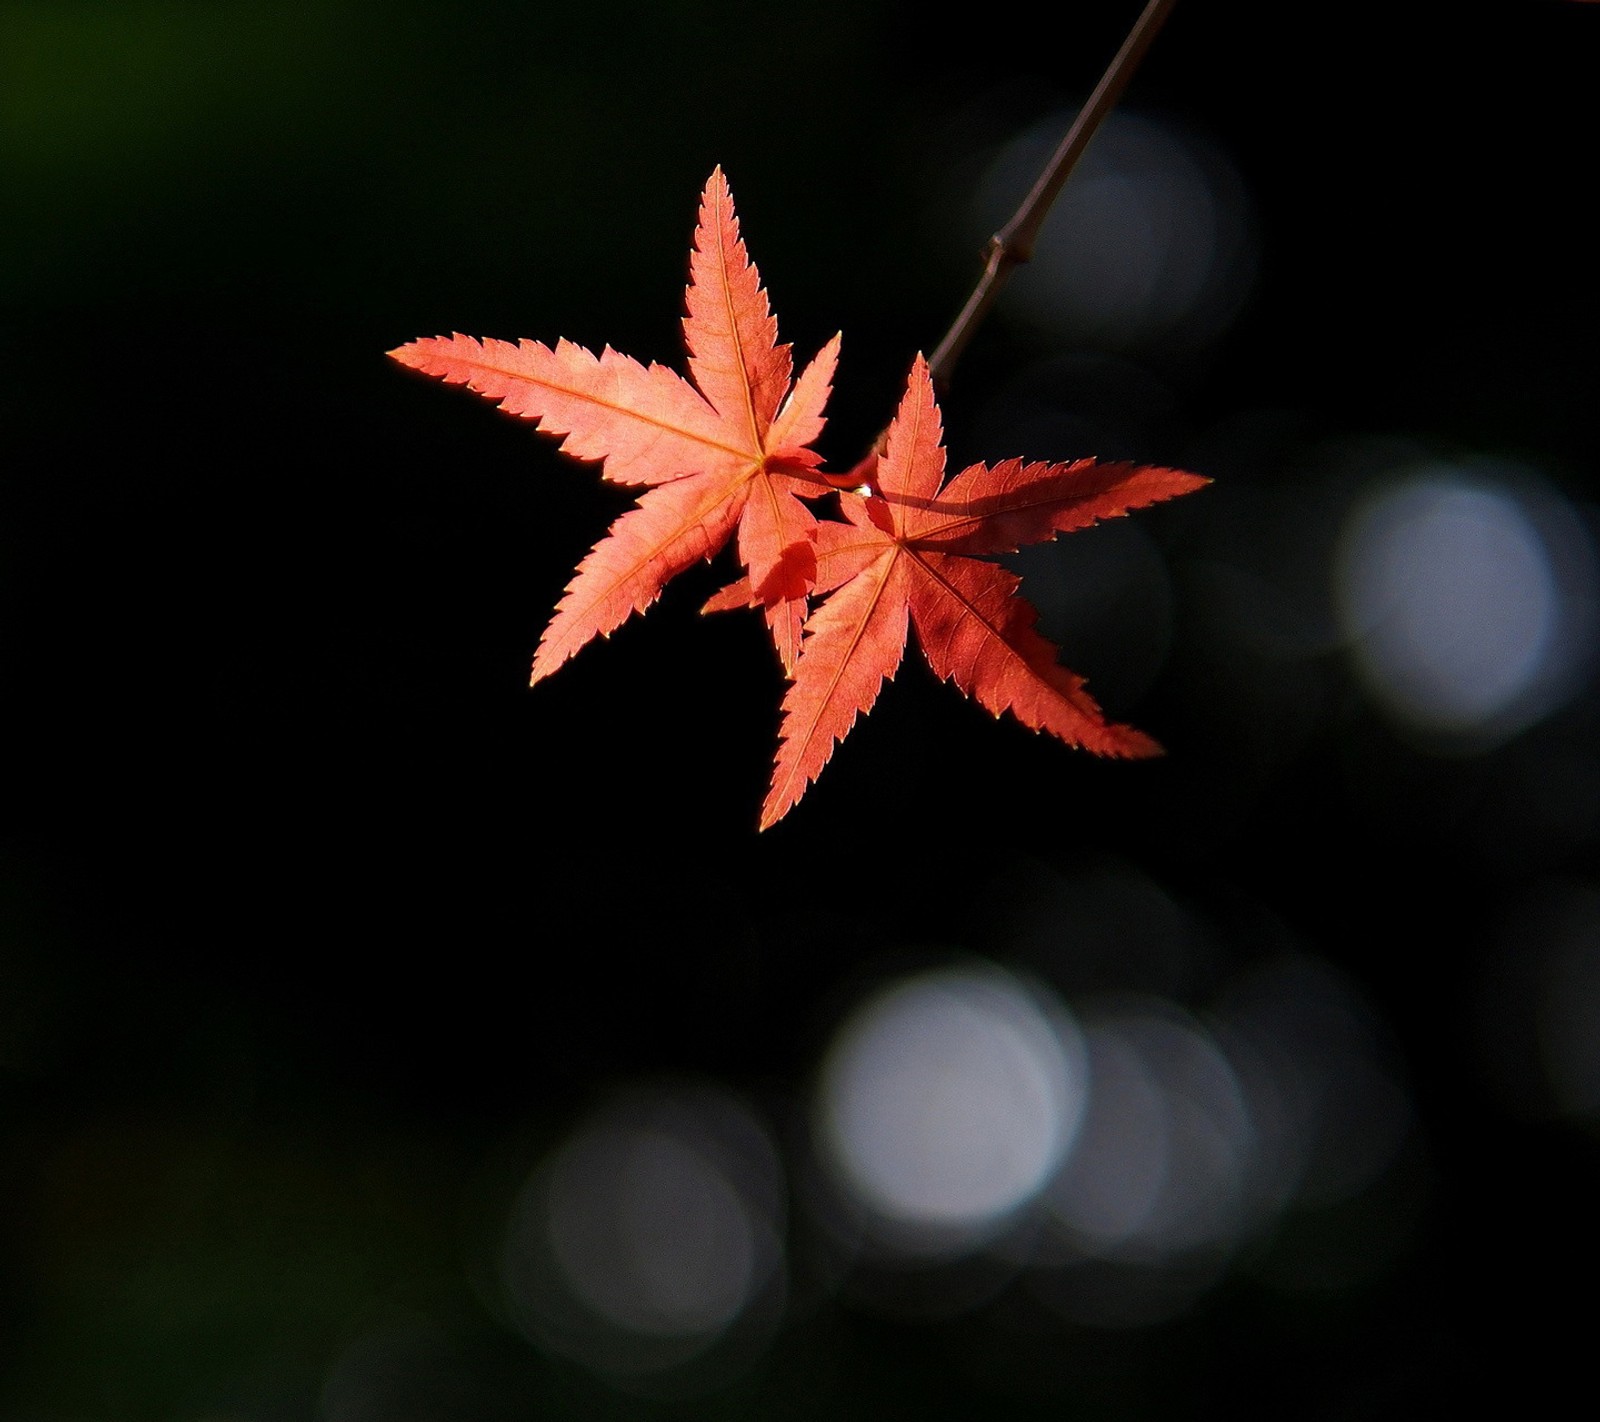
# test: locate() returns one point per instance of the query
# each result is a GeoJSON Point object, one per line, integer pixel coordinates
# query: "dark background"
{"type": "Point", "coordinates": [317, 925]}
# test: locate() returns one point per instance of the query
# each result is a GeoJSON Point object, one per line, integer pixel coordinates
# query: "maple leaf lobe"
{"type": "Point", "coordinates": [732, 336]}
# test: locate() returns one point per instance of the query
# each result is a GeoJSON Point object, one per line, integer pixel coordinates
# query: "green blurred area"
{"type": "Point", "coordinates": [184, 1271]}
{"type": "Point", "coordinates": [326, 153]}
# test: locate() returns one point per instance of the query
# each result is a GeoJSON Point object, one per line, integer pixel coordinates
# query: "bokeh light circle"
{"type": "Point", "coordinates": [649, 1234]}
{"type": "Point", "coordinates": [1469, 602]}
{"type": "Point", "coordinates": [1161, 1165]}
{"type": "Point", "coordinates": [1150, 245]}
{"type": "Point", "coordinates": [946, 1104]}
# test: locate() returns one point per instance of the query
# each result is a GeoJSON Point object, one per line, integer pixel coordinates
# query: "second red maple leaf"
{"type": "Point", "coordinates": [912, 555]}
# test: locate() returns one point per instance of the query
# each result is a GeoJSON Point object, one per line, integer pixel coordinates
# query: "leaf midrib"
{"type": "Point", "coordinates": [691, 435]}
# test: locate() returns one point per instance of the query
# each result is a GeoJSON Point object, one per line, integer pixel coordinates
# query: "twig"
{"type": "Point", "coordinates": [1013, 244]}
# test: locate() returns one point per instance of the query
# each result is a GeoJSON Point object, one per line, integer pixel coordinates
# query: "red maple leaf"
{"type": "Point", "coordinates": [730, 451]}
{"type": "Point", "coordinates": [910, 553]}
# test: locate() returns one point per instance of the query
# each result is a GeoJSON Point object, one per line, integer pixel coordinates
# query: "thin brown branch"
{"type": "Point", "coordinates": [1013, 244]}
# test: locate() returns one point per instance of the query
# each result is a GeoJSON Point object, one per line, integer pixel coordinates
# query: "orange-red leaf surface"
{"type": "Point", "coordinates": [726, 455]}
{"type": "Point", "coordinates": [729, 452]}
{"type": "Point", "coordinates": [910, 555]}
